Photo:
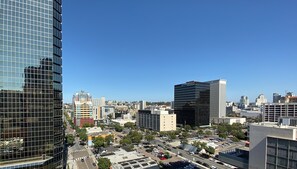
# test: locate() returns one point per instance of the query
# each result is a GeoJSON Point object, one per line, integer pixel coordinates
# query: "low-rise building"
{"type": "Point", "coordinates": [93, 132]}
{"type": "Point", "coordinates": [229, 120]}
{"type": "Point", "coordinates": [122, 159]}
{"type": "Point", "coordinates": [158, 120]}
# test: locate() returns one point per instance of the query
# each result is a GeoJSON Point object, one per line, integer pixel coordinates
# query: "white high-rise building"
{"type": "Point", "coordinates": [142, 105]}
{"type": "Point", "coordinates": [260, 100]}
{"type": "Point", "coordinates": [217, 99]}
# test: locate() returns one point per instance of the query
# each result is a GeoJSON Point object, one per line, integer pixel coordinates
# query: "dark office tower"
{"type": "Point", "coordinates": [31, 126]}
{"type": "Point", "coordinates": [276, 98]}
{"type": "Point", "coordinates": [192, 103]}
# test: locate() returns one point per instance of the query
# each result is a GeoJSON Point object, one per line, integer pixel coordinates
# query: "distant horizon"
{"type": "Point", "coordinates": [138, 50]}
{"type": "Point", "coordinates": [269, 100]}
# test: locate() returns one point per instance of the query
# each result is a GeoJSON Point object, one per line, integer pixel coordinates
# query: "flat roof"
{"type": "Point", "coordinates": [121, 155]}
{"type": "Point", "coordinates": [273, 124]}
{"type": "Point", "coordinates": [145, 162]}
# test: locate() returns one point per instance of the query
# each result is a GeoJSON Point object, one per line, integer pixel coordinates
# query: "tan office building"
{"type": "Point", "coordinates": [158, 120]}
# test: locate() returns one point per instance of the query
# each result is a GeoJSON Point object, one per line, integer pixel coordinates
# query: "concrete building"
{"type": "Point", "coordinates": [250, 113]}
{"type": "Point", "coordinates": [142, 104]}
{"type": "Point", "coordinates": [217, 99]}
{"type": "Point", "coordinates": [260, 100]}
{"type": "Point", "coordinates": [272, 145]}
{"type": "Point", "coordinates": [196, 103]}
{"type": "Point", "coordinates": [93, 132]}
{"type": "Point", "coordinates": [97, 109]}
{"type": "Point", "coordinates": [122, 159]}
{"type": "Point", "coordinates": [272, 112]}
{"type": "Point", "coordinates": [107, 111]}
{"type": "Point", "coordinates": [158, 120]}
{"type": "Point", "coordinates": [125, 118]}
{"type": "Point", "coordinates": [229, 120]}
{"type": "Point", "coordinates": [238, 157]}
{"type": "Point", "coordinates": [82, 108]}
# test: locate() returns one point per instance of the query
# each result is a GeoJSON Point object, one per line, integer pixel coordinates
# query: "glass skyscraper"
{"type": "Point", "coordinates": [31, 126]}
{"type": "Point", "coordinates": [192, 103]}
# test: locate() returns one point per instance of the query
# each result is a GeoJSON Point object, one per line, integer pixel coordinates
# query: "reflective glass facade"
{"type": "Point", "coordinates": [31, 127]}
{"type": "Point", "coordinates": [192, 103]}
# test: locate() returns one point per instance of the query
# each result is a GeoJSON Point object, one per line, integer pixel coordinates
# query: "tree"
{"type": "Point", "coordinates": [188, 127]}
{"type": "Point", "coordinates": [135, 136]}
{"type": "Point", "coordinates": [118, 128]}
{"type": "Point", "coordinates": [200, 132]}
{"type": "Point", "coordinates": [208, 133]}
{"type": "Point", "coordinates": [126, 141]}
{"type": "Point", "coordinates": [109, 139]}
{"type": "Point", "coordinates": [210, 150]}
{"type": "Point", "coordinates": [185, 134]}
{"type": "Point", "coordinates": [70, 139]}
{"type": "Point", "coordinates": [104, 163]}
{"type": "Point", "coordinates": [129, 125]}
{"type": "Point", "coordinates": [235, 139]}
{"type": "Point", "coordinates": [88, 125]}
{"type": "Point", "coordinates": [149, 137]}
{"type": "Point", "coordinates": [223, 135]}
{"type": "Point", "coordinates": [82, 134]}
{"type": "Point", "coordinates": [98, 142]}
{"type": "Point", "coordinates": [171, 136]}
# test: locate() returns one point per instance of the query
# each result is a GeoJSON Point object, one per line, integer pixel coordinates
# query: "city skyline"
{"type": "Point", "coordinates": [138, 50]}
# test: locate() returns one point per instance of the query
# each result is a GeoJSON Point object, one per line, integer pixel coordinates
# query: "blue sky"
{"type": "Point", "coordinates": [139, 49]}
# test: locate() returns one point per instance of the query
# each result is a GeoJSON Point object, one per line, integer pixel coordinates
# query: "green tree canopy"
{"type": "Point", "coordinates": [210, 150]}
{"type": "Point", "coordinates": [130, 125]}
{"type": "Point", "coordinates": [98, 142]}
{"type": "Point", "coordinates": [126, 141]}
{"type": "Point", "coordinates": [118, 128]}
{"type": "Point", "coordinates": [70, 139]}
{"type": "Point", "coordinates": [149, 137]}
{"type": "Point", "coordinates": [187, 127]}
{"type": "Point", "coordinates": [109, 139]}
{"type": "Point", "coordinates": [104, 163]}
{"type": "Point", "coordinates": [135, 136]}
{"type": "Point", "coordinates": [88, 125]}
{"type": "Point", "coordinates": [82, 134]}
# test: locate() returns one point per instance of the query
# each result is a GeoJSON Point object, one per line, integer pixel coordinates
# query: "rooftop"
{"type": "Point", "coordinates": [144, 162]}
{"type": "Point", "coordinates": [121, 155]}
{"type": "Point", "coordinates": [274, 125]}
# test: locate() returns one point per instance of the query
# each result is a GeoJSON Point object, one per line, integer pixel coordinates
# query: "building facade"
{"type": "Point", "coordinates": [276, 97]}
{"type": "Point", "coordinates": [158, 120]}
{"type": "Point", "coordinates": [217, 99]}
{"type": "Point", "coordinates": [272, 112]}
{"type": "Point", "coordinates": [82, 108]}
{"type": "Point", "coordinates": [31, 126]}
{"type": "Point", "coordinates": [197, 103]}
{"type": "Point", "coordinates": [142, 104]}
{"type": "Point", "coordinates": [272, 145]}
{"type": "Point", "coordinates": [260, 100]}
{"type": "Point", "coordinates": [244, 102]}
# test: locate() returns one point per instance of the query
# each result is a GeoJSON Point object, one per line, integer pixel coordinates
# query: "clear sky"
{"type": "Point", "coordinates": [139, 49]}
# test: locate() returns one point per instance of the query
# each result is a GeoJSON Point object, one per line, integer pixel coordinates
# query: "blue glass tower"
{"type": "Point", "coordinates": [31, 126]}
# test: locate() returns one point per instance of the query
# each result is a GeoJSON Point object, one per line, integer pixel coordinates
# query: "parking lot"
{"type": "Point", "coordinates": [154, 155]}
